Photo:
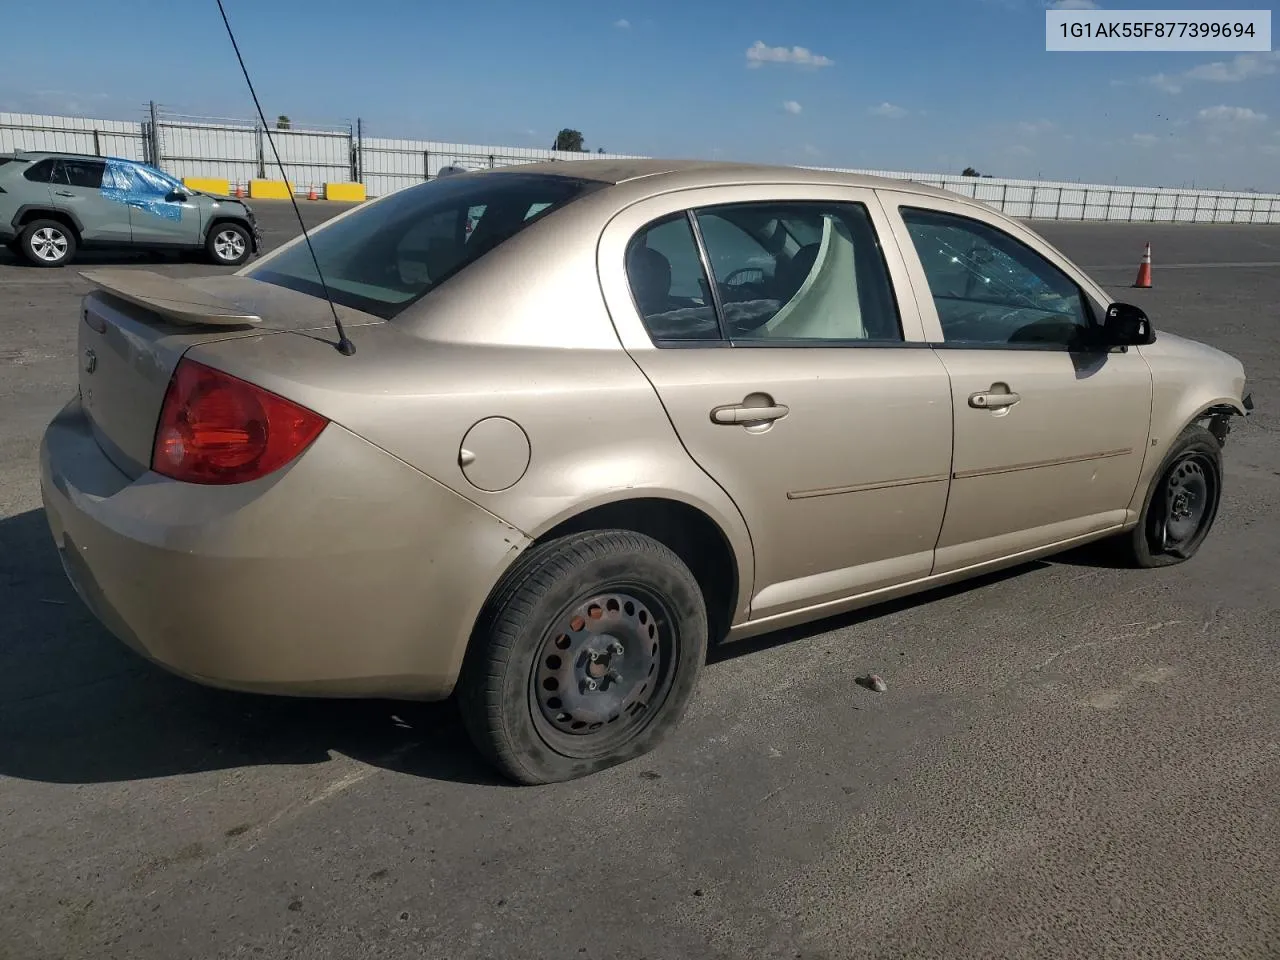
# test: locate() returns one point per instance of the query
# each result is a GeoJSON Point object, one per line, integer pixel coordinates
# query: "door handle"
{"type": "Point", "coordinates": [63, 193]}
{"type": "Point", "coordinates": [993, 401]}
{"type": "Point", "coordinates": [741, 413]}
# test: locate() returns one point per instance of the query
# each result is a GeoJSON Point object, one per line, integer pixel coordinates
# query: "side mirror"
{"type": "Point", "coordinates": [1127, 326]}
{"type": "Point", "coordinates": [178, 195]}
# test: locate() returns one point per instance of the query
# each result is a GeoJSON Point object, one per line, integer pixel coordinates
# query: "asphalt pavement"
{"type": "Point", "coordinates": [1071, 761]}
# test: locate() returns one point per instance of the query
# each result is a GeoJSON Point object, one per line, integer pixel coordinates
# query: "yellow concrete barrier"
{"type": "Point", "coordinates": [212, 185]}
{"type": "Point", "coordinates": [270, 189]}
{"type": "Point", "coordinates": [345, 191]}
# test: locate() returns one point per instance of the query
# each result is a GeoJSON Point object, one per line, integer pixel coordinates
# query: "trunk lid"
{"type": "Point", "coordinates": [136, 326]}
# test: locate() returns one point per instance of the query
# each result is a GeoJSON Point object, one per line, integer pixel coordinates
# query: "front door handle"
{"type": "Point", "coordinates": [741, 413]}
{"type": "Point", "coordinates": [63, 193]}
{"type": "Point", "coordinates": [993, 401]}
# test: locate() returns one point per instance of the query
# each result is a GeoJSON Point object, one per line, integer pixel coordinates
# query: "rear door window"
{"type": "Point", "coordinates": [800, 272]}
{"type": "Point", "coordinates": [80, 173]}
{"type": "Point", "coordinates": [384, 257]}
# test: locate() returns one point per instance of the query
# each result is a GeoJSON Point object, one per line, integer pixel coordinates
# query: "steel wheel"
{"type": "Point", "coordinates": [601, 671]}
{"type": "Point", "coordinates": [229, 245]}
{"type": "Point", "coordinates": [586, 657]}
{"type": "Point", "coordinates": [1186, 500]}
{"type": "Point", "coordinates": [49, 244]}
{"type": "Point", "coordinates": [1182, 502]}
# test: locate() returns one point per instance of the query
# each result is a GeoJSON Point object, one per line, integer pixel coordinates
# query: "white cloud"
{"type": "Point", "coordinates": [1230, 115]}
{"type": "Point", "coordinates": [890, 110]}
{"type": "Point", "coordinates": [1021, 150]}
{"type": "Point", "coordinates": [758, 54]}
{"type": "Point", "coordinates": [1035, 127]}
{"type": "Point", "coordinates": [1246, 66]}
{"type": "Point", "coordinates": [792, 107]}
{"type": "Point", "coordinates": [811, 150]}
{"type": "Point", "coordinates": [1162, 81]}
{"type": "Point", "coordinates": [623, 24]}
{"type": "Point", "coordinates": [1073, 5]}
{"type": "Point", "coordinates": [1145, 139]}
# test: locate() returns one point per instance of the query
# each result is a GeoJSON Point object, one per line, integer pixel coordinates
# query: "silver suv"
{"type": "Point", "coordinates": [53, 204]}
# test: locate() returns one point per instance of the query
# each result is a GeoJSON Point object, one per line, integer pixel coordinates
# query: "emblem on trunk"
{"type": "Point", "coordinates": [90, 361]}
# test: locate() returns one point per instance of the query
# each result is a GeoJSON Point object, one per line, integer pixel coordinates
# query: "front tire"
{"type": "Point", "coordinates": [228, 244]}
{"type": "Point", "coordinates": [1181, 504]}
{"type": "Point", "coordinates": [47, 243]}
{"type": "Point", "coordinates": [586, 657]}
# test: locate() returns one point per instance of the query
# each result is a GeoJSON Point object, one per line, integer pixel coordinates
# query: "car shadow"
{"type": "Point", "coordinates": [76, 706]}
{"type": "Point", "coordinates": [100, 258]}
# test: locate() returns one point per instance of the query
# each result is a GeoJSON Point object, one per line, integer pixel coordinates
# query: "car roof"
{"type": "Point", "coordinates": [67, 154]}
{"type": "Point", "coordinates": [674, 173]}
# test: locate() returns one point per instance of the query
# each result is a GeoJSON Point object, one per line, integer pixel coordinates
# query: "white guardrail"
{"type": "Point", "coordinates": [229, 150]}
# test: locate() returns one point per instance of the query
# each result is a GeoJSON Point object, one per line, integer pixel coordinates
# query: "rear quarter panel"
{"type": "Point", "coordinates": [596, 433]}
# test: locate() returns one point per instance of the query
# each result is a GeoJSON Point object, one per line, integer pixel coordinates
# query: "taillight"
{"type": "Point", "coordinates": [216, 428]}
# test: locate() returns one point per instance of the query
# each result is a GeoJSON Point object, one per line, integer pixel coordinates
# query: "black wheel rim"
{"type": "Point", "coordinates": [1188, 495]}
{"type": "Point", "coordinates": [603, 671]}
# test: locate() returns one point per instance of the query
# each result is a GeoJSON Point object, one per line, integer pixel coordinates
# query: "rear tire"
{"type": "Point", "coordinates": [586, 656]}
{"type": "Point", "coordinates": [47, 243]}
{"type": "Point", "coordinates": [228, 244]}
{"type": "Point", "coordinates": [1181, 504]}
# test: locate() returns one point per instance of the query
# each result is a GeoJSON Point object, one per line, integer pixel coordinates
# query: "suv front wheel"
{"type": "Point", "coordinates": [47, 243]}
{"type": "Point", "coordinates": [228, 244]}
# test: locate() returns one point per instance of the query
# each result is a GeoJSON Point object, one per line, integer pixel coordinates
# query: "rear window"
{"type": "Point", "coordinates": [384, 257]}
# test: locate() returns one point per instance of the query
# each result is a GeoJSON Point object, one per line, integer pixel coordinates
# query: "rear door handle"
{"type": "Point", "coordinates": [741, 413]}
{"type": "Point", "coordinates": [993, 401]}
{"type": "Point", "coordinates": [63, 193]}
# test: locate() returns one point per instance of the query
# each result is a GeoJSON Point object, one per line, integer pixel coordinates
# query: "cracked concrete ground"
{"type": "Point", "coordinates": [1071, 761]}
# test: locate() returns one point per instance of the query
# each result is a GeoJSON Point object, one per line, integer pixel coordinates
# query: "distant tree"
{"type": "Point", "coordinates": [968, 172]}
{"type": "Point", "coordinates": [568, 140]}
{"type": "Point", "coordinates": [599, 149]}
{"type": "Point", "coordinates": [283, 122]}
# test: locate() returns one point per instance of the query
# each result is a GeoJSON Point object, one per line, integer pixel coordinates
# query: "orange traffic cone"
{"type": "Point", "coordinates": [1144, 270]}
{"type": "Point", "coordinates": [311, 194]}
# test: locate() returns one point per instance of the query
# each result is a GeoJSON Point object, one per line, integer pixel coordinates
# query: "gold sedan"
{"type": "Point", "coordinates": [597, 416]}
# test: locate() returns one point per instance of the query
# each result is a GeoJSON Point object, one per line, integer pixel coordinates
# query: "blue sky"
{"type": "Point", "coordinates": [921, 85]}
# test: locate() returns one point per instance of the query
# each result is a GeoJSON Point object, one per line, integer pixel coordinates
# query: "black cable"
{"type": "Point", "coordinates": [345, 346]}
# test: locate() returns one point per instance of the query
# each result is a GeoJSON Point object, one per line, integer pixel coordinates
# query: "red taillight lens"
{"type": "Point", "coordinates": [216, 428]}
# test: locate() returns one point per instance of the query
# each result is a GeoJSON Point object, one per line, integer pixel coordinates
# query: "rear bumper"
{"type": "Point", "coordinates": [348, 573]}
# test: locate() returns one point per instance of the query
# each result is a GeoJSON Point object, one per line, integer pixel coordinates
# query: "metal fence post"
{"type": "Point", "coordinates": [156, 154]}
{"type": "Point", "coordinates": [426, 164]}
{"type": "Point", "coordinates": [351, 153]}
{"type": "Point", "coordinates": [1004, 193]}
{"type": "Point", "coordinates": [359, 150]}
{"type": "Point", "coordinates": [262, 157]}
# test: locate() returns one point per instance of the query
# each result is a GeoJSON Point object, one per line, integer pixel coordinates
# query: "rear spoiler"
{"type": "Point", "coordinates": [170, 298]}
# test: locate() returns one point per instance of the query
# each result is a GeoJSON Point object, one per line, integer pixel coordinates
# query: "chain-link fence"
{"type": "Point", "coordinates": [315, 154]}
